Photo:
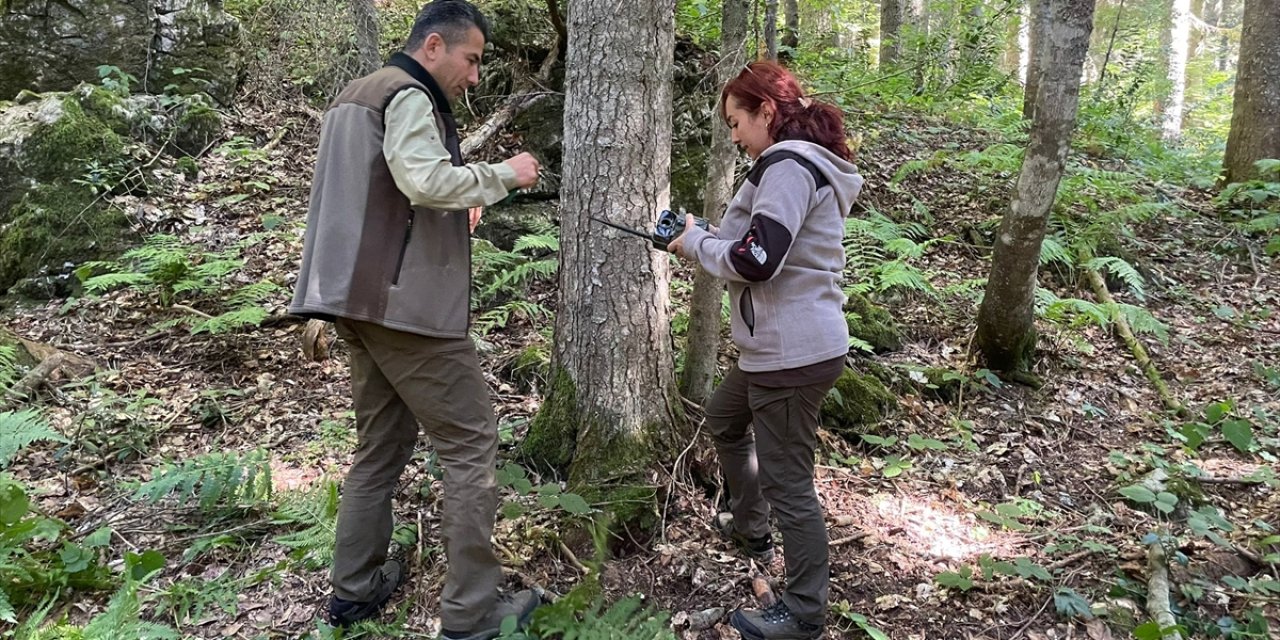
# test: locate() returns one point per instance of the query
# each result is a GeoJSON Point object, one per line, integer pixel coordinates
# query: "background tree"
{"type": "Point", "coordinates": [364, 18]}
{"type": "Point", "coordinates": [1006, 333]}
{"type": "Point", "coordinates": [891, 18]}
{"type": "Point", "coordinates": [1255, 117]}
{"type": "Point", "coordinates": [1037, 32]}
{"type": "Point", "coordinates": [698, 376]}
{"type": "Point", "coordinates": [771, 29]}
{"type": "Point", "coordinates": [612, 406]}
{"type": "Point", "coordinates": [1179, 37]}
{"type": "Point", "coordinates": [791, 30]}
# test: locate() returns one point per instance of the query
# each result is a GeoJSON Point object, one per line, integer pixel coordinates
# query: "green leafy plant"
{"type": "Point", "coordinates": [21, 428]}
{"type": "Point", "coordinates": [314, 516]}
{"type": "Point", "coordinates": [218, 480]}
{"type": "Point", "coordinates": [175, 272]}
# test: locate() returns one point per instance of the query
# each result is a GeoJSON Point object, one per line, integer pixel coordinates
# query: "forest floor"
{"type": "Point", "coordinates": [995, 513]}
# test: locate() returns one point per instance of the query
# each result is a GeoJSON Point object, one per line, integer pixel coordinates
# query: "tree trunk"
{"type": "Point", "coordinates": [918, 19]}
{"type": "Point", "coordinates": [1201, 39]}
{"type": "Point", "coordinates": [1228, 18]}
{"type": "Point", "coordinates": [1199, 10]}
{"type": "Point", "coordinates": [364, 16]}
{"type": "Point", "coordinates": [1255, 114]}
{"type": "Point", "coordinates": [771, 29]}
{"type": "Point", "coordinates": [1179, 38]}
{"type": "Point", "coordinates": [1024, 43]}
{"type": "Point", "coordinates": [1010, 61]}
{"type": "Point", "coordinates": [612, 412]}
{"type": "Point", "coordinates": [1041, 18]}
{"type": "Point", "coordinates": [1006, 334]}
{"type": "Point", "coordinates": [891, 14]}
{"type": "Point", "coordinates": [791, 32]}
{"type": "Point", "coordinates": [698, 377]}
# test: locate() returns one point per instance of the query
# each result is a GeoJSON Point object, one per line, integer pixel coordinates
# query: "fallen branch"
{"type": "Point", "coordinates": [522, 97]}
{"type": "Point", "coordinates": [1135, 346]}
{"type": "Point", "coordinates": [34, 378]}
{"type": "Point", "coordinates": [1158, 592]}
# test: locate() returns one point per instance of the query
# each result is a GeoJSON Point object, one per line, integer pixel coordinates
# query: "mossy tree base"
{"type": "Point", "coordinates": [609, 467]}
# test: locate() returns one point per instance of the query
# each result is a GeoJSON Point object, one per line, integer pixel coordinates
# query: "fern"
{"type": "Point", "coordinates": [626, 619]}
{"type": "Point", "coordinates": [111, 281]}
{"type": "Point", "coordinates": [19, 429]}
{"type": "Point", "coordinates": [1053, 250]}
{"type": "Point", "coordinates": [316, 514]}
{"type": "Point", "coordinates": [897, 274]}
{"type": "Point", "coordinates": [1122, 270]}
{"type": "Point", "coordinates": [1141, 321]}
{"type": "Point", "coordinates": [253, 293]}
{"type": "Point", "coordinates": [497, 318]}
{"type": "Point", "coordinates": [122, 620]}
{"type": "Point", "coordinates": [218, 479]}
{"type": "Point", "coordinates": [8, 366]}
{"type": "Point", "coordinates": [231, 320]}
{"type": "Point", "coordinates": [7, 613]}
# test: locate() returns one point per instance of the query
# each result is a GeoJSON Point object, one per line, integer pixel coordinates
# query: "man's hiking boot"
{"type": "Point", "coordinates": [773, 623]}
{"type": "Point", "coordinates": [344, 613]}
{"type": "Point", "coordinates": [758, 549]}
{"type": "Point", "coordinates": [518, 605]}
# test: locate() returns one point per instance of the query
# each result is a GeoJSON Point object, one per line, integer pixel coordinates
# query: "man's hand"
{"type": "Point", "coordinates": [473, 214]}
{"type": "Point", "coordinates": [526, 167]}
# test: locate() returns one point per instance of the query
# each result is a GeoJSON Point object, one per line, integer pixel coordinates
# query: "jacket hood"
{"type": "Point", "coordinates": [842, 174]}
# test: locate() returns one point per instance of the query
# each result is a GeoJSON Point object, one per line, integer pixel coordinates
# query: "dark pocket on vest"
{"type": "Point", "coordinates": [404, 248]}
{"type": "Point", "coordinates": [747, 310]}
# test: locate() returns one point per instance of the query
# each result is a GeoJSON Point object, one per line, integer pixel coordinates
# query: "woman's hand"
{"type": "Point", "coordinates": [677, 246]}
{"type": "Point", "coordinates": [473, 217]}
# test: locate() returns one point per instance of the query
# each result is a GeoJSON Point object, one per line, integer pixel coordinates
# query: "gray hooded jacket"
{"type": "Point", "coordinates": [780, 249]}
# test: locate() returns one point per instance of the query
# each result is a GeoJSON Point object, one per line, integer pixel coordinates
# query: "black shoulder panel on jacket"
{"type": "Point", "coordinates": [757, 171]}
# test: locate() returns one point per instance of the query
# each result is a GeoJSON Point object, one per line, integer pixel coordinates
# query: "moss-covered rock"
{"type": "Point", "coordinates": [856, 404]}
{"type": "Point", "coordinates": [872, 324]}
{"type": "Point", "coordinates": [196, 127]}
{"type": "Point", "coordinates": [49, 217]}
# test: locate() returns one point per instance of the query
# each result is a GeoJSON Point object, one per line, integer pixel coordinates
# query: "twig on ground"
{"type": "Point", "coordinates": [1026, 625]}
{"type": "Point", "coordinates": [1158, 591]}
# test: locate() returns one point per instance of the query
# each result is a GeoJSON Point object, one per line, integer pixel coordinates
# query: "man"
{"type": "Point", "coordinates": [387, 257]}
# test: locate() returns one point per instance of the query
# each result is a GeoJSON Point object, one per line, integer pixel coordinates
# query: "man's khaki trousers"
{"type": "Point", "coordinates": [399, 380]}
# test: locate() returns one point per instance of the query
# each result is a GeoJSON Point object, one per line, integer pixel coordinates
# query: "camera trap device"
{"type": "Point", "coordinates": [668, 227]}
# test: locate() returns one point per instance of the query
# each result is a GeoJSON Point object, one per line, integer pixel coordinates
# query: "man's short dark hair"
{"type": "Point", "coordinates": [452, 19]}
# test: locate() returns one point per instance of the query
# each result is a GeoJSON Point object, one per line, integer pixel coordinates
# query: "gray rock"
{"type": "Point", "coordinates": [53, 45]}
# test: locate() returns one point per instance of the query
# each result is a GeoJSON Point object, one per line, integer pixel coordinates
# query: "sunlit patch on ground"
{"type": "Point", "coordinates": [920, 530]}
{"type": "Point", "coordinates": [285, 477]}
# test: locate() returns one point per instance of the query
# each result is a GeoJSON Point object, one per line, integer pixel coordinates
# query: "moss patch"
{"type": "Point", "coordinates": [856, 405]}
{"type": "Point", "coordinates": [47, 219]}
{"type": "Point", "coordinates": [552, 439]}
{"type": "Point", "coordinates": [872, 324]}
{"type": "Point", "coordinates": [59, 151]}
{"type": "Point", "coordinates": [52, 225]}
{"type": "Point", "coordinates": [197, 128]}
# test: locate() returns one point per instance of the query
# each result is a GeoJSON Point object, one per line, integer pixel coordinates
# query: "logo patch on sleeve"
{"type": "Point", "coordinates": [759, 253]}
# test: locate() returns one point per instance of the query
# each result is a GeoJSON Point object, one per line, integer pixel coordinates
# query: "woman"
{"type": "Point", "coordinates": [779, 247]}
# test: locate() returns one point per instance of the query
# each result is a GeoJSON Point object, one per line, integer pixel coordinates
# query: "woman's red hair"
{"type": "Point", "coordinates": [795, 117]}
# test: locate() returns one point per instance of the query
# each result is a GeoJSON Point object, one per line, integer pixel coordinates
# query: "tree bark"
{"type": "Point", "coordinates": [703, 345]}
{"type": "Point", "coordinates": [1006, 331]}
{"type": "Point", "coordinates": [891, 14]}
{"type": "Point", "coordinates": [771, 29]}
{"type": "Point", "coordinates": [1011, 61]}
{"type": "Point", "coordinates": [791, 22]}
{"type": "Point", "coordinates": [1041, 18]}
{"type": "Point", "coordinates": [1255, 115]}
{"type": "Point", "coordinates": [1176, 72]}
{"type": "Point", "coordinates": [612, 412]}
{"type": "Point", "coordinates": [364, 16]}
{"type": "Point", "coordinates": [1228, 17]}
